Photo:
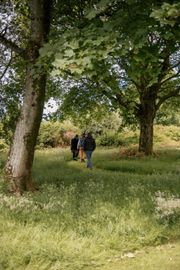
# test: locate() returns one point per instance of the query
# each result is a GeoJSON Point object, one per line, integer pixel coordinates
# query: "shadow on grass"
{"type": "Point", "coordinates": [164, 162]}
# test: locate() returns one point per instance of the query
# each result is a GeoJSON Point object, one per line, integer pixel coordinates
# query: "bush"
{"type": "Point", "coordinates": [3, 145]}
{"type": "Point", "coordinates": [54, 134]}
{"type": "Point", "coordinates": [109, 140]}
{"type": "Point", "coordinates": [131, 151]}
{"type": "Point", "coordinates": [166, 134]}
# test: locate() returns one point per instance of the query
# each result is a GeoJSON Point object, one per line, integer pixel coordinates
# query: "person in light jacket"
{"type": "Point", "coordinates": [80, 147]}
{"type": "Point", "coordinates": [89, 147]}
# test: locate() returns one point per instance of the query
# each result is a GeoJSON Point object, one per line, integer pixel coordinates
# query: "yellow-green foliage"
{"type": "Point", "coordinates": [164, 135]}
{"type": "Point", "coordinates": [3, 145]}
{"type": "Point", "coordinates": [53, 134]}
{"type": "Point", "coordinates": [167, 134]}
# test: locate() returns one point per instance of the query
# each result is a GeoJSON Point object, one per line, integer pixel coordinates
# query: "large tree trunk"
{"type": "Point", "coordinates": [19, 164]}
{"type": "Point", "coordinates": [146, 117]}
{"type": "Point", "coordinates": [146, 135]}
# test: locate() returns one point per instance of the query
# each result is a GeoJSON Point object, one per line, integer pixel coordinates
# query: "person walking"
{"type": "Point", "coordinates": [80, 147]}
{"type": "Point", "coordinates": [74, 149]}
{"type": "Point", "coordinates": [89, 147]}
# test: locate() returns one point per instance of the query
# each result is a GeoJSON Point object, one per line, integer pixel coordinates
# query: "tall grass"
{"type": "Point", "coordinates": [80, 218]}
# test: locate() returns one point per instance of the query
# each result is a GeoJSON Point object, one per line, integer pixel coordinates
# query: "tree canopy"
{"type": "Point", "coordinates": [132, 65]}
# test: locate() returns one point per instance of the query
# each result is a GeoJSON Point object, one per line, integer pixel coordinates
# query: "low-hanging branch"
{"type": "Point", "coordinates": [175, 93]}
{"type": "Point", "coordinates": [171, 77]}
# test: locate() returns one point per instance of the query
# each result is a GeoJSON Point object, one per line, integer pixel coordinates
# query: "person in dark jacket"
{"type": "Point", "coordinates": [89, 147]}
{"type": "Point", "coordinates": [74, 149]}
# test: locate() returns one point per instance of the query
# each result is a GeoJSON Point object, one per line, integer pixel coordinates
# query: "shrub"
{"type": "Point", "coordinates": [54, 134]}
{"type": "Point", "coordinates": [166, 134]}
{"type": "Point", "coordinates": [130, 152]}
{"type": "Point", "coordinates": [109, 140]}
{"type": "Point", "coordinates": [3, 145]}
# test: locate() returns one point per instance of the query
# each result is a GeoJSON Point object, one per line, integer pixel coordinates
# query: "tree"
{"type": "Point", "coordinates": [25, 28]}
{"type": "Point", "coordinates": [133, 64]}
{"type": "Point", "coordinates": [150, 63]}
{"type": "Point", "coordinates": [20, 159]}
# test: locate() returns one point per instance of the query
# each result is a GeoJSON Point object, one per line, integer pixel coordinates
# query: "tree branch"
{"type": "Point", "coordinates": [3, 32]}
{"type": "Point", "coordinates": [124, 103]}
{"type": "Point", "coordinates": [175, 93]}
{"type": "Point", "coordinates": [136, 84]}
{"type": "Point", "coordinates": [4, 72]}
{"type": "Point", "coordinates": [174, 76]}
{"type": "Point", "coordinates": [13, 46]}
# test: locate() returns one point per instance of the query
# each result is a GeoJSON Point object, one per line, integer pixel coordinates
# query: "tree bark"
{"type": "Point", "coordinates": [146, 135]}
{"type": "Point", "coordinates": [19, 164]}
{"type": "Point", "coordinates": [146, 115]}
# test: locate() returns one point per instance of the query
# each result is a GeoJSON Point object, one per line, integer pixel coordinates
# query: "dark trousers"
{"type": "Point", "coordinates": [75, 154]}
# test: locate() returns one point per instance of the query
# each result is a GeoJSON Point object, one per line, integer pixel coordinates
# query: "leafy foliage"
{"type": "Point", "coordinates": [168, 14]}
{"type": "Point", "coordinates": [54, 134]}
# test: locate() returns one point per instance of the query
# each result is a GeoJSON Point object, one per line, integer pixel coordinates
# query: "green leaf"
{"type": "Point", "coordinates": [69, 53]}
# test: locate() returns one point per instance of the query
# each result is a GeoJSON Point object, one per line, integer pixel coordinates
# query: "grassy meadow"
{"type": "Point", "coordinates": [123, 214]}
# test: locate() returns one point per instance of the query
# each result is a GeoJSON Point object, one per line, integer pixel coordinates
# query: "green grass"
{"type": "Point", "coordinates": [164, 257]}
{"type": "Point", "coordinates": [83, 219]}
